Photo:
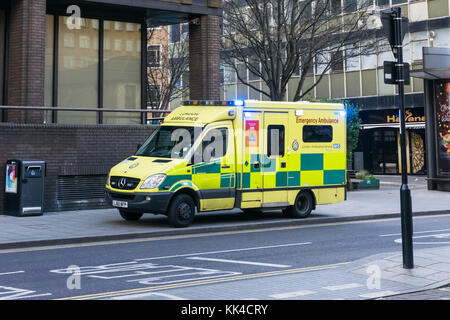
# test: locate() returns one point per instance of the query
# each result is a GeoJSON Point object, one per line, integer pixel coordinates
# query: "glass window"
{"type": "Point", "coordinates": [337, 62]}
{"type": "Point", "coordinates": [353, 85]}
{"type": "Point", "coordinates": [441, 38]}
{"type": "Point", "coordinates": [368, 61]}
{"type": "Point", "coordinates": [384, 54]}
{"type": "Point", "coordinates": [336, 6]}
{"type": "Point", "coordinates": [175, 33]}
{"type": "Point", "coordinates": [168, 142]}
{"type": "Point", "coordinates": [369, 82]}
{"type": "Point", "coordinates": [2, 52]}
{"type": "Point", "coordinates": [229, 76]}
{"type": "Point", "coordinates": [214, 144]}
{"type": "Point", "coordinates": [337, 85]}
{"type": "Point", "coordinates": [322, 61]}
{"type": "Point", "coordinates": [352, 59]}
{"type": "Point", "coordinates": [384, 89]}
{"type": "Point", "coordinates": [253, 62]}
{"type": "Point", "coordinates": [153, 55]}
{"type": "Point", "coordinates": [77, 76]}
{"type": "Point", "coordinates": [242, 71]}
{"type": "Point", "coordinates": [317, 133]}
{"type": "Point", "coordinates": [350, 6]}
{"type": "Point", "coordinates": [382, 3]}
{"type": "Point", "coordinates": [48, 91]}
{"type": "Point", "coordinates": [394, 2]}
{"type": "Point", "coordinates": [122, 77]}
{"type": "Point", "coordinates": [275, 140]}
{"type": "Point", "coordinates": [438, 8]}
{"type": "Point", "coordinates": [153, 93]}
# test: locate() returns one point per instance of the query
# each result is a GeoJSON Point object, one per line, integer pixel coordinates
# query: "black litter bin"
{"type": "Point", "coordinates": [24, 188]}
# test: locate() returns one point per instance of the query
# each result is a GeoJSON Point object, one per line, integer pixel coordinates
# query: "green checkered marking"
{"type": "Point", "coordinates": [227, 180]}
{"type": "Point", "coordinates": [333, 176]}
{"type": "Point", "coordinates": [311, 161]}
{"type": "Point", "coordinates": [213, 167]}
{"type": "Point", "coordinates": [170, 180]}
{"type": "Point", "coordinates": [281, 179]}
{"type": "Point", "coordinates": [293, 178]}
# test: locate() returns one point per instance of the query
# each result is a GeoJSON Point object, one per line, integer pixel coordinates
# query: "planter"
{"type": "Point", "coordinates": [366, 184]}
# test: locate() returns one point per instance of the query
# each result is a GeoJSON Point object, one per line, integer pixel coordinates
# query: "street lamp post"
{"type": "Point", "coordinates": [393, 23]}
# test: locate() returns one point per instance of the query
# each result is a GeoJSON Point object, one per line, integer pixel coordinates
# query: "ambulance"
{"type": "Point", "coordinates": [244, 154]}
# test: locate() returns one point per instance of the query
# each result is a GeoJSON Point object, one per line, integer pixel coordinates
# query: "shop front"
{"type": "Point", "coordinates": [436, 75]}
{"type": "Point", "coordinates": [378, 150]}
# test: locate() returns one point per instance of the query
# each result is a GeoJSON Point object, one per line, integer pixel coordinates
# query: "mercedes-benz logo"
{"type": "Point", "coordinates": [122, 182]}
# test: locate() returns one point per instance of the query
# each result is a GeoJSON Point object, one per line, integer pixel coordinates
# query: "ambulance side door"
{"type": "Point", "coordinates": [214, 174]}
{"type": "Point", "coordinates": [275, 159]}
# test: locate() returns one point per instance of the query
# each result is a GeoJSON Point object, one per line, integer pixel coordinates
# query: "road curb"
{"type": "Point", "coordinates": [205, 230]}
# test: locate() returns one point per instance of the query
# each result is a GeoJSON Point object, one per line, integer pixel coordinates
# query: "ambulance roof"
{"type": "Point", "coordinates": [199, 112]}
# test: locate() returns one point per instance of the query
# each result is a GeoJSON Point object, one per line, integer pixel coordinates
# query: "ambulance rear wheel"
{"type": "Point", "coordinates": [302, 207]}
{"type": "Point", "coordinates": [130, 216]}
{"type": "Point", "coordinates": [181, 211]}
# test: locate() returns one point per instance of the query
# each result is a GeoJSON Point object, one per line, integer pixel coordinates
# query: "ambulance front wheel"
{"type": "Point", "coordinates": [304, 204]}
{"type": "Point", "coordinates": [130, 216]}
{"type": "Point", "coordinates": [181, 211]}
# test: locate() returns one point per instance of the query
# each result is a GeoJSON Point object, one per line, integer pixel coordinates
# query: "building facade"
{"type": "Point", "coordinates": [359, 81]}
{"type": "Point", "coordinates": [67, 66]}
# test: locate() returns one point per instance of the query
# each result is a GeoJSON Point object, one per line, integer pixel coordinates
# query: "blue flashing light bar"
{"type": "Point", "coordinates": [230, 103]}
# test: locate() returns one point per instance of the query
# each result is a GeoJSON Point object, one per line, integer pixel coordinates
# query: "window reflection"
{"type": "Point", "coordinates": [77, 71]}
{"type": "Point", "coordinates": [122, 72]}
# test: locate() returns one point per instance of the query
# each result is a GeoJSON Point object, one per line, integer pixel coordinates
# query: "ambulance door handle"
{"type": "Point", "coordinates": [283, 164]}
{"type": "Point", "coordinates": [225, 167]}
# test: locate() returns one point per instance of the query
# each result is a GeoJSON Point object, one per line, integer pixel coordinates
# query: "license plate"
{"type": "Point", "coordinates": [120, 204]}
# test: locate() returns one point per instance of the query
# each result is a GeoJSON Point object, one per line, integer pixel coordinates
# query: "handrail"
{"type": "Point", "coordinates": [82, 109]}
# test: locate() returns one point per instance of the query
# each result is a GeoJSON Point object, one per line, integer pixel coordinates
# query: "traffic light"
{"type": "Point", "coordinates": [389, 27]}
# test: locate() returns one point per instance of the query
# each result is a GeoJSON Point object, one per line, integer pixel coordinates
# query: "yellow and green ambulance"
{"type": "Point", "coordinates": [245, 154]}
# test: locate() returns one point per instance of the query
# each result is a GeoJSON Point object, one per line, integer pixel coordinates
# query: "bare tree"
{"type": "Point", "coordinates": [277, 39]}
{"type": "Point", "coordinates": [167, 63]}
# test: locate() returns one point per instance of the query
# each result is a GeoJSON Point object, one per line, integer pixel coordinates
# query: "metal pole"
{"type": "Point", "coordinates": [405, 193]}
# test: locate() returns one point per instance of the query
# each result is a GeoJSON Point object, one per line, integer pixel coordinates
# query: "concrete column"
{"type": "Point", "coordinates": [204, 59]}
{"type": "Point", "coordinates": [26, 66]}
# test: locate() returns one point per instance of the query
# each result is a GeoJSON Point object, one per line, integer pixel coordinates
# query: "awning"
{"type": "Point", "coordinates": [436, 64]}
{"type": "Point", "coordinates": [415, 125]}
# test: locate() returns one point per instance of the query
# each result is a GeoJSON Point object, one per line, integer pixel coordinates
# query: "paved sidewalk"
{"type": "Point", "coordinates": [377, 277]}
{"type": "Point", "coordinates": [106, 224]}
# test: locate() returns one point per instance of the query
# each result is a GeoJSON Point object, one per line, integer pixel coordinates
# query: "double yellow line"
{"type": "Point", "coordinates": [111, 294]}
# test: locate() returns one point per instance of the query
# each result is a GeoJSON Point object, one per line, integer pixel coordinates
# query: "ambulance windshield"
{"type": "Point", "coordinates": [169, 142]}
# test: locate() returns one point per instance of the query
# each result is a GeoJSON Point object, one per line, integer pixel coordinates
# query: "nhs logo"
{"type": "Point", "coordinates": [336, 146]}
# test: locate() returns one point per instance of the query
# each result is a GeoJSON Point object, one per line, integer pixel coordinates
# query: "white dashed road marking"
{"type": "Point", "coordinates": [343, 287]}
{"type": "Point", "coordinates": [241, 262]}
{"type": "Point", "coordinates": [288, 295]}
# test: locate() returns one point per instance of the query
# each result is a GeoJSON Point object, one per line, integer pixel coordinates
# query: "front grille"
{"type": "Point", "coordinates": [121, 196]}
{"type": "Point", "coordinates": [124, 183]}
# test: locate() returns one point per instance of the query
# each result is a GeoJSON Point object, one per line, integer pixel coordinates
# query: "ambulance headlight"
{"type": "Point", "coordinates": [153, 181]}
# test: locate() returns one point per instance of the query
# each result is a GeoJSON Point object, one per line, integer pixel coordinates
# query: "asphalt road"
{"type": "Point", "coordinates": [50, 272]}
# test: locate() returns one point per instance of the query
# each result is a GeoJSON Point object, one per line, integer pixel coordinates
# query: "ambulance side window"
{"type": "Point", "coordinates": [275, 140]}
{"type": "Point", "coordinates": [214, 146]}
{"type": "Point", "coordinates": [317, 133]}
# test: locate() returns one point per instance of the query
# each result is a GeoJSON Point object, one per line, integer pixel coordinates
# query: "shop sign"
{"type": "Point", "coordinates": [391, 116]}
{"type": "Point", "coordinates": [409, 117]}
{"type": "Point", "coordinates": [443, 126]}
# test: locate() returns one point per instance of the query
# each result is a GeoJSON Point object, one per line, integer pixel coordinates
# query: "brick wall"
{"type": "Point", "coordinates": [68, 150]}
{"type": "Point", "coordinates": [26, 59]}
{"type": "Point", "coordinates": [204, 62]}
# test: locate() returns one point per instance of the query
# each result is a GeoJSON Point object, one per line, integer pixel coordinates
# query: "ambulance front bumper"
{"type": "Point", "coordinates": [156, 202]}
